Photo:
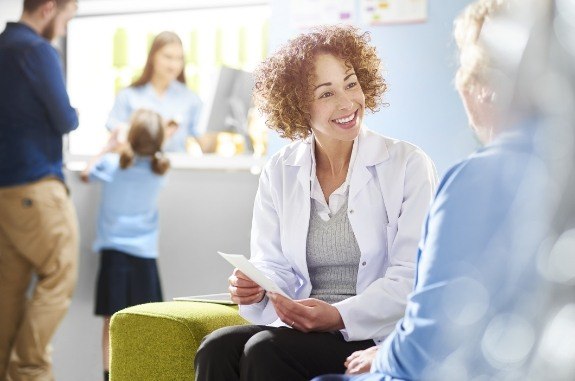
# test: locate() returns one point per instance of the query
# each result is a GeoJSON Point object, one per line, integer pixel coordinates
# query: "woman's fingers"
{"type": "Point", "coordinates": [250, 299]}
{"type": "Point", "coordinates": [243, 290]}
{"type": "Point", "coordinates": [292, 312]}
{"type": "Point", "coordinates": [240, 279]}
{"type": "Point", "coordinates": [351, 357]}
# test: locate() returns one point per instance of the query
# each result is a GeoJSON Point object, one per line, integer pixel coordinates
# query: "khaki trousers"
{"type": "Point", "coordinates": [38, 234]}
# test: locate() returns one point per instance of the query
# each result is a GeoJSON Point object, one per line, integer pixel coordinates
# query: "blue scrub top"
{"type": "Point", "coordinates": [178, 103]}
{"type": "Point", "coordinates": [128, 217]}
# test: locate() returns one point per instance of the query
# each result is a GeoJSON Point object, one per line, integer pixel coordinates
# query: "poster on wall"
{"type": "Point", "coordinates": [382, 12]}
{"type": "Point", "coordinates": [307, 13]}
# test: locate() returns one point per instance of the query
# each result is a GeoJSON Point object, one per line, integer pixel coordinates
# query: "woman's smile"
{"type": "Point", "coordinates": [346, 122]}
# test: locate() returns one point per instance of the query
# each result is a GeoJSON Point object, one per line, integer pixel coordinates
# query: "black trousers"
{"type": "Point", "coordinates": [254, 352]}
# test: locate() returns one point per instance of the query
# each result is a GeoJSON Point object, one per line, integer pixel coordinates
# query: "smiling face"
{"type": "Point", "coordinates": [169, 62]}
{"type": "Point", "coordinates": [338, 102]}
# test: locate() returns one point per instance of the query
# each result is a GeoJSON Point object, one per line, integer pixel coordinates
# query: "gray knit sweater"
{"type": "Point", "coordinates": [332, 256]}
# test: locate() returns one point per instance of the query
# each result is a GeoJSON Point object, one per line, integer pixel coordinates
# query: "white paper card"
{"type": "Point", "coordinates": [255, 274]}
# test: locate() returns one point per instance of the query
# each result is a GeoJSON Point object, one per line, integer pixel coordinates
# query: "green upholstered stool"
{"type": "Point", "coordinates": [158, 341]}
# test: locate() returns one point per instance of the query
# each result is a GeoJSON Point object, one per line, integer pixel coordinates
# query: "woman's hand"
{"type": "Point", "coordinates": [116, 140]}
{"type": "Point", "coordinates": [307, 315]}
{"type": "Point", "coordinates": [171, 128]}
{"type": "Point", "coordinates": [360, 361]}
{"type": "Point", "coordinates": [243, 290]}
{"type": "Point", "coordinates": [85, 175]}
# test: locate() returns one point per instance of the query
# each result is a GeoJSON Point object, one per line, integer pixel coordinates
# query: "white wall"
{"type": "Point", "coordinates": [10, 10]}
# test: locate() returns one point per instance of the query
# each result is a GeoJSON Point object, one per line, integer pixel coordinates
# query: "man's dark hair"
{"type": "Point", "coordinates": [32, 5]}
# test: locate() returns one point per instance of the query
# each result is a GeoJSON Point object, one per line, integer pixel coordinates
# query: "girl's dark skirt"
{"type": "Point", "coordinates": [125, 280]}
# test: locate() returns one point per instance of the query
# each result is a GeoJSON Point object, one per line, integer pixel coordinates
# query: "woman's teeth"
{"type": "Point", "coordinates": [346, 119]}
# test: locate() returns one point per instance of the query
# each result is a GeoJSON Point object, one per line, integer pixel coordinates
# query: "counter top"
{"type": "Point", "coordinates": [185, 161]}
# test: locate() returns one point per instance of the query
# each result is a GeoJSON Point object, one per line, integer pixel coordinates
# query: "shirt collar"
{"type": "Point", "coordinates": [22, 25]}
{"type": "Point", "coordinates": [148, 88]}
{"type": "Point", "coordinates": [313, 175]}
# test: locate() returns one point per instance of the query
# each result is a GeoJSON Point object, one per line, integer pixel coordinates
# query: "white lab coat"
{"type": "Point", "coordinates": [391, 187]}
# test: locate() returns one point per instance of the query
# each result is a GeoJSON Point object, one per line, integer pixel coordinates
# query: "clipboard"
{"type": "Point", "coordinates": [222, 298]}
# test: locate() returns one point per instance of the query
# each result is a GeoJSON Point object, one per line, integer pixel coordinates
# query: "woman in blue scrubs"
{"type": "Point", "coordinates": [161, 88]}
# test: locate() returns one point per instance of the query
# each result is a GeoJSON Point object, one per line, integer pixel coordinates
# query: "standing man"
{"type": "Point", "coordinates": [38, 225]}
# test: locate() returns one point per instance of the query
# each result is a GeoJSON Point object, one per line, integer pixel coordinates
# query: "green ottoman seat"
{"type": "Point", "coordinates": [158, 341]}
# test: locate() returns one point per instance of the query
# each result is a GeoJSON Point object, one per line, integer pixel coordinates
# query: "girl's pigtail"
{"type": "Point", "coordinates": [160, 163]}
{"type": "Point", "coordinates": [126, 157]}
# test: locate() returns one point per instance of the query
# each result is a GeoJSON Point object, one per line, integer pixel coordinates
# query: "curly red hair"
{"type": "Point", "coordinates": [284, 82]}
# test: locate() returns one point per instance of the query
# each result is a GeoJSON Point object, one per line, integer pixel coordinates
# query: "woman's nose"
{"type": "Point", "coordinates": [344, 101]}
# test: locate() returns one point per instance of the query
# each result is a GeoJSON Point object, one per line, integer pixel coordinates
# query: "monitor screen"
{"type": "Point", "coordinates": [227, 109]}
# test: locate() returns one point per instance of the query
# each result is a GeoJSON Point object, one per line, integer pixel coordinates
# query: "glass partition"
{"type": "Point", "coordinates": [105, 52]}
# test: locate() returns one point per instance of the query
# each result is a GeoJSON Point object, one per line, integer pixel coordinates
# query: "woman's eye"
{"type": "Point", "coordinates": [326, 94]}
{"type": "Point", "coordinates": [352, 84]}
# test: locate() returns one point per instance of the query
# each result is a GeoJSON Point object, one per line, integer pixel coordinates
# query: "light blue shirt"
{"type": "Point", "coordinates": [178, 103]}
{"type": "Point", "coordinates": [475, 268]}
{"type": "Point", "coordinates": [128, 217]}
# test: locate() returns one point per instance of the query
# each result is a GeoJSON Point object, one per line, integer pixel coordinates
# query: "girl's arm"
{"type": "Point", "coordinates": [113, 145]}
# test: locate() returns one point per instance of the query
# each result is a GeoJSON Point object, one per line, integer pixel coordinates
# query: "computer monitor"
{"type": "Point", "coordinates": [227, 109]}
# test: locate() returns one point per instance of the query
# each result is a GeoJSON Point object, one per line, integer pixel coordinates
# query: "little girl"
{"type": "Point", "coordinates": [127, 235]}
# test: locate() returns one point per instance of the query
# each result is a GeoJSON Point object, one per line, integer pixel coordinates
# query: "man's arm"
{"type": "Point", "coordinates": [42, 67]}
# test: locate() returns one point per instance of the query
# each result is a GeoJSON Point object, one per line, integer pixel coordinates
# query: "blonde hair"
{"type": "Point", "coordinates": [474, 60]}
{"type": "Point", "coordinates": [283, 83]}
{"type": "Point", "coordinates": [145, 138]}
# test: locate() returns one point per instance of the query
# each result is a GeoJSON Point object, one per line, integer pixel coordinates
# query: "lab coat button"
{"type": "Point", "coordinates": [350, 211]}
{"type": "Point", "coordinates": [364, 263]}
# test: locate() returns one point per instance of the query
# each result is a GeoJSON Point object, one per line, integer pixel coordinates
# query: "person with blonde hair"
{"type": "Point", "coordinates": [471, 313]}
{"type": "Point", "coordinates": [128, 228]}
{"type": "Point", "coordinates": [336, 218]}
{"type": "Point", "coordinates": [162, 88]}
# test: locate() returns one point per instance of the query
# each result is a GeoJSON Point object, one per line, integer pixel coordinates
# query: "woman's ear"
{"type": "Point", "coordinates": [486, 95]}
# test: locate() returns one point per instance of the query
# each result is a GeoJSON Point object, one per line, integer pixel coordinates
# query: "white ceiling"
{"type": "Point", "coordinates": [104, 7]}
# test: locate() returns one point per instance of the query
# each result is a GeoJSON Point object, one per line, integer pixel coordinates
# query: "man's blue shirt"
{"type": "Point", "coordinates": [35, 110]}
{"type": "Point", "coordinates": [475, 263]}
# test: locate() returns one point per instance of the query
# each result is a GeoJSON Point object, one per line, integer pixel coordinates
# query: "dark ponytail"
{"type": "Point", "coordinates": [160, 164]}
{"type": "Point", "coordinates": [145, 138]}
{"type": "Point", "coordinates": [126, 157]}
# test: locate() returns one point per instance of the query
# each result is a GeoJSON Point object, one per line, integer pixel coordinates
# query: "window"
{"type": "Point", "coordinates": [106, 51]}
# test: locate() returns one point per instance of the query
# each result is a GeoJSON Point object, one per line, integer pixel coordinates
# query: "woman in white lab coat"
{"type": "Point", "coordinates": [337, 218]}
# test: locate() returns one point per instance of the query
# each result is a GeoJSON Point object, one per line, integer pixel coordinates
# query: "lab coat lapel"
{"type": "Point", "coordinates": [301, 157]}
{"type": "Point", "coordinates": [369, 153]}
{"type": "Point", "coordinates": [299, 206]}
